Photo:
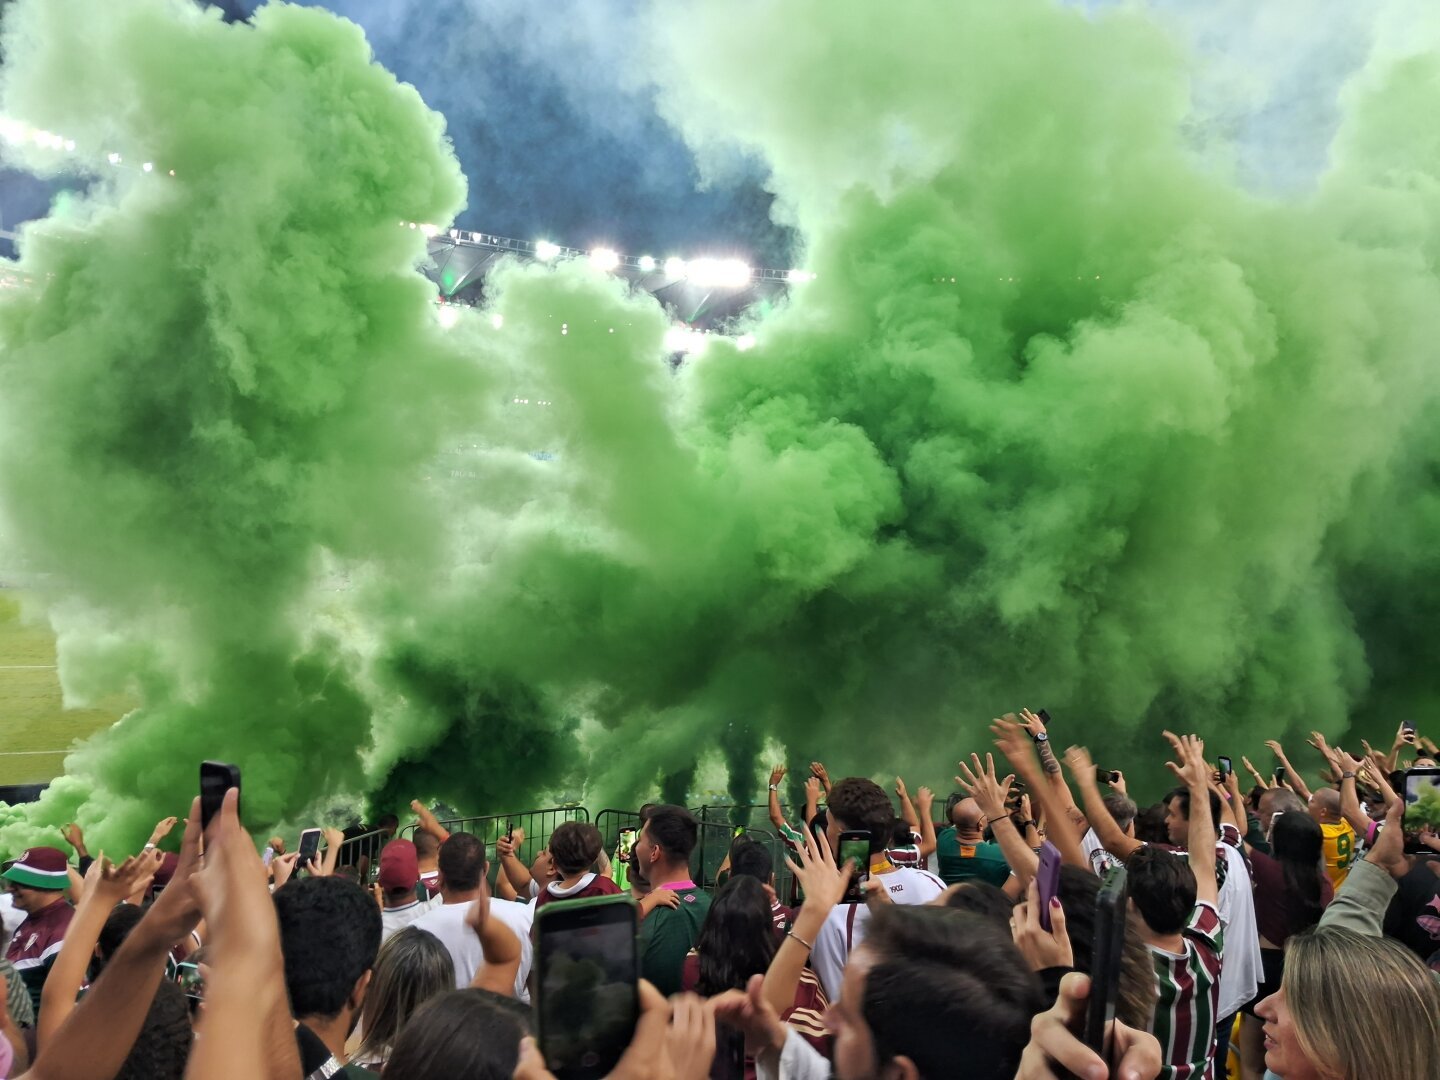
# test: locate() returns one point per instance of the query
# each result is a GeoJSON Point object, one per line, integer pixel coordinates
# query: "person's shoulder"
{"type": "Point", "coordinates": [1337, 828]}
{"type": "Point", "coordinates": [918, 885]}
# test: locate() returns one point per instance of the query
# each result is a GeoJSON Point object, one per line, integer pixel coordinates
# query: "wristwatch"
{"type": "Point", "coordinates": [774, 787]}
{"type": "Point", "coordinates": [1041, 737]}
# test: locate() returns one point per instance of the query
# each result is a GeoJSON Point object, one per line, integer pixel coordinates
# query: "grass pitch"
{"type": "Point", "coordinates": [35, 729]}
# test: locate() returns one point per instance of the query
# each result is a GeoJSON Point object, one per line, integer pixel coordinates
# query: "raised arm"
{"type": "Point", "coordinates": [1348, 769]}
{"type": "Point", "coordinates": [812, 799]}
{"type": "Point", "coordinates": [777, 813]}
{"type": "Point", "coordinates": [907, 808]}
{"type": "Point", "coordinates": [1294, 779]}
{"type": "Point", "coordinates": [498, 944]}
{"type": "Point", "coordinates": [428, 822]}
{"type": "Point", "coordinates": [925, 807]}
{"type": "Point", "coordinates": [1107, 829]}
{"type": "Point", "coordinates": [514, 870]}
{"type": "Point", "coordinates": [105, 886]}
{"type": "Point", "coordinates": [1192, 770]}
{"type": "Point", "coordinates": [1055, 799]}
{"type": "Point", "coordinates": [978, 780]}
{"type": "Point", "coordinates": [818, 771]}
{"type": "Point", "coordinates": [824, 884]}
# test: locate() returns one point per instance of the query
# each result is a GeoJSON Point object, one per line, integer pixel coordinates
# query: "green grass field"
{"type": "Point", "coordinates": [33, 724]}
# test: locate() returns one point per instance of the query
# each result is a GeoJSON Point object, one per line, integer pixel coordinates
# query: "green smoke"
{"type": "Point", "coordinates": [220, 384]}
{"type": "Point", "coordinates": [1069, 417]}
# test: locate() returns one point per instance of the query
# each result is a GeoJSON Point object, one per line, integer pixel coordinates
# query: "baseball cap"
{"type": "Point", "coordinates": [40, 868]}
{"type": "Point", "coordinates": [399, 866]}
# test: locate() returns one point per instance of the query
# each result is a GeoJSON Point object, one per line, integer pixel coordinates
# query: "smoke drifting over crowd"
{"type": "Point", "coordinates": [1079, 411]}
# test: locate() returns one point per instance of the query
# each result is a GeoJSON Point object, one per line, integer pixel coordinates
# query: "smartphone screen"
{"type": "Point", "coordinates": [625, 845]}
{"type": "Point", "coordinates": [855, 846]}
{"type": "Point", "coordinates": [309, 847]}
{"type": "Point", "coordinates": [1226, 766]}
{"type": "Point", "coordinates": [190, 980]}
{"type": "Point", "coordinates": [1109, 944]}
{"type": "Point", "coordinates": [586, 969]}
{"type": "Point", "coordinates": [1422, 807]}
{"type": "Point", "coordinates": [1047, 879]}
{"type": "Point", "coordinates": [1280, 774]}
{"type": "Point", "coordinates": [216, 778]}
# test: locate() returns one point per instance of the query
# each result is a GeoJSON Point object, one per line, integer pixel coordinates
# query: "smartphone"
{"type": "Point", "coordinates": [855, 845]}
{"type": "Point", "coordinates": [1044, 716]}
{"type": "Point", "coordinates": [1407, 728]}
{"type": "Point", "coordinates": [1109, 944]}
{"type": "Point", "coordinates": [1226, 766]}
{"type": "Point", "coordinates": [1422, 807]}
{"type": "Point", "coordinates": [1047, 879]}
{"type": "Point", "coordinates": [625, 844]}
{"type": "Point", "coordinates": [216, 778]}
{"type": "Point", "coordinates": [308, 848]}
{"type": "Point", "coordinates": [1280, 774]}
{"type": "Point", "coordinates": [1106, 776]}
{"type": "Point", "coordinates": [509, 830]}
{"type": "Point", "coordinates": [188, 975]}
{"type": "Point", "coordinates": [587, 965]}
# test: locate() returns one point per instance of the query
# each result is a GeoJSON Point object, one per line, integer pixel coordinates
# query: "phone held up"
{"type": "Point", "coordinates": [216, 778]}
{"type": "Point", "coordinates": [1109, 944]}
{"type": "Point", "coordinates": [855, 846]}
{"type": "Point", "coordinates": [1106, 776]}
{"type": "Point", "coordinates": [308, 848]}
{"type": "Point", "coordinates": [1047, 880]}
{"type": "Point", "coordinates": [587, 967]}
{"type": "Point", "coordinates": [1281, 775]}
{"type": "Point", "coordinates": [1226, 766]}
{"type": "Point", "coordinates": [1422, 808]}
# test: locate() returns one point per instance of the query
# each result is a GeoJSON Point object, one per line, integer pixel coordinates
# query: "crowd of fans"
{"type": "Point", "coordinates": [1279, 931]}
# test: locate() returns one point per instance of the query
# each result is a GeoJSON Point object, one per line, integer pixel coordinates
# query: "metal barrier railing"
{"type": "Point", "coordinates": [537, 824]}
{"type": "Point", "coordinates": [363, 853]}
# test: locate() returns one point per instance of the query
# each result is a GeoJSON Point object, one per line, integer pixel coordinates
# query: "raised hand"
{"type": "Point", "coordinates": [818, 770]}
{"type": "Point", "coordinates": [1031, 723]}
{"type": "Point", "coordinates": [812, 787]}
{"type": "Point", "coordinates": [1080, 764]}
{"type": "Point", "coordinates": [1189, 765]}
{"type": "Point", "coordinates": [1263, 781]}
{"type": "Point", "coordinates": [74, 837]}
{"type": "Point", "coordinates": [980, 782]}
{"type": "Point", "coordinates": [1042, 948]}
{"type": "Point", "coordinates": [900, 791]}
{"type": "Point", "coordinates": [283, 867]}
{"type": "Point", "coordinates": [1010, 739]}
{"type": "Point", "coordinates": [824, 882]}
{"type": "Point", "coordinates": [162, 829]}
{"type": "Point", "coordinates": [1273, 745]}
{"type": "Point", "coordinates": [777, 774]}
{"type": "Point", "coordinates": [1117, 783]}
{"type": "Point", "coordinates": [924, 799]}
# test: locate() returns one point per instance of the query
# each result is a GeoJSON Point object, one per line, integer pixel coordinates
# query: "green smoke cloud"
{"type": "Point", "coordinates": [1068, 417]}
{"type": "Point", "coordinates": [219, 382]}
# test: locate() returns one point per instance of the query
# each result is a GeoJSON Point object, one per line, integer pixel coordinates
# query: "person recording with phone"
{"type": "Point", "coordinates": [858, 805]}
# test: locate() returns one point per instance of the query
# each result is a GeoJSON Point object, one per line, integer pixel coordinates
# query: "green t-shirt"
{"type": "Point", "coordinates": [668, 934]}
{"type": "Point", "coordinates": [958, 862]}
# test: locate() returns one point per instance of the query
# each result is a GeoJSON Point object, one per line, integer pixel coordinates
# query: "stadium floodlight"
{"type": "Point", "coordinates": [430, 230]}
{"type": "Point", "coordinates": [70, 144]}
{"type": "Point", "coordinates": [682, 339]}
{"type": "Point", "coordinates": [675, 267]}
{"type": "Point", "coordinates": [114, 159]}
{"type": "Point", "coordinates": [719, 273]}
{"type": "Point", "coordinates": [604, 259]}
{"type": "Point", "coordinates": [745, 342]}
{"type": "Point", "coordinates": [799, 276]}
{"type": "Point", "coordinates": [497, 320]}
{"type": "Point", "coordinates": [449, 315]}
{"type": "Point", "coordinates": [545, 250]}
{"type": "Point", "coordinates": [13, 130]}
{"type": "Point", "coordinates": [149, 166]}
{"type": "Point", "coordinates": [647, 264]}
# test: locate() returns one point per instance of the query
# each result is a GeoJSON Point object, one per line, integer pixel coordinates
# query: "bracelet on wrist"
{"type": "Point", "coordinates": [809, 947]}
{"type": "Point", "coordinates": [1347, 776]}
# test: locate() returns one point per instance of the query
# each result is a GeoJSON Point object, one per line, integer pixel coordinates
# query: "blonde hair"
{"type": "Point", "coordinates": [1364, 1008]}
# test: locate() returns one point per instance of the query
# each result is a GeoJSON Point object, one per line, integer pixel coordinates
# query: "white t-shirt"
{"type": "Point", "coordinates": [1100, 859]}
{"type": "Point", "coordinates": [394, 919]}
{"type": "Point", "coordinates": [10, 916]}
{"type": "Point", "coordinates": [447, 922]}
{"type": "Point", "coordinates": [844, 928]}
{"type": "Point", "coordinates": [1240, 971]}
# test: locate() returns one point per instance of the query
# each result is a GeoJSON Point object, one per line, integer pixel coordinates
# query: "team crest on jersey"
{"type": "Point", "coordinates": [31, 943]}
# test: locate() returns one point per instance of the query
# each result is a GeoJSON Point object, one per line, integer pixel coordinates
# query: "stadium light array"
{"type": "Point", "coordinates": [606, 259]}
{"type": "Point", "coordinates": [545, 250]}
{"type": "Point", "coordinates": [646, 264]}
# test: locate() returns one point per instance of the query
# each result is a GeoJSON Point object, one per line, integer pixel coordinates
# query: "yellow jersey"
{"type": "Point", "coordinates": [1339, 851]}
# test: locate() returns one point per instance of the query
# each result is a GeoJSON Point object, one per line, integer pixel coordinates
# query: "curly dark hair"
{"type": "Point", "coordinates": [329, 936]}
{"type": "Point", "coordinates": [162, 1048]}
{"type": "Point", "coordinates": [858, 803]}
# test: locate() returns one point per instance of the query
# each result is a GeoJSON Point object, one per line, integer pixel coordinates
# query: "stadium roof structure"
{"type": "Point", "coordinates": [704, 293]}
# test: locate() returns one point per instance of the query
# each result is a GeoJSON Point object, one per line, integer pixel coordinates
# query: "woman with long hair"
{"type": "Point", "coordinates": [737, 941]}
{"type": "Point", "coordinates": [1352, 1007]}
{"type": "Point", "coordinates": [412, 967]}
{"type": "Point", "coordinates": [1292, 890]}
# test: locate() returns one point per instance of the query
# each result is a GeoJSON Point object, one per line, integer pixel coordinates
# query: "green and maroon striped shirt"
{"type": "Point", "coordinates": [1189, 988]}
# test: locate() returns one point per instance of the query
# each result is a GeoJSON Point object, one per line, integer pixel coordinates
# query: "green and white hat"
{"type": "Point", "coordinates": [39, 868]}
